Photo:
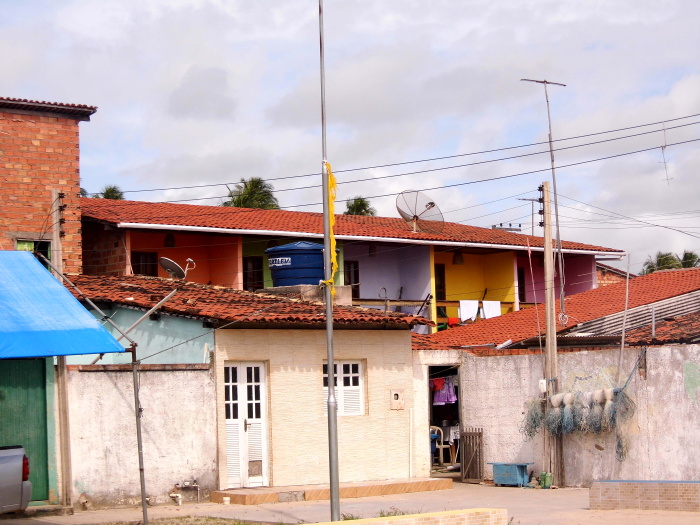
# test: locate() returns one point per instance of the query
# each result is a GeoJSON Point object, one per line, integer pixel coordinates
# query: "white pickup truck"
{"type": "Point", "coordinates": [15, 487]}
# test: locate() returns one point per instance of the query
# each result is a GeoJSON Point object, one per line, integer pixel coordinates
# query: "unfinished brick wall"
{"type": "Point", "coordinates": [39, 153]}
{"type": "Point", "coordinates": [105, 250]}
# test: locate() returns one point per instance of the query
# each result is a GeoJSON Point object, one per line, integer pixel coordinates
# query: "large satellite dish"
{"type": "Point", "coordinates": [174, 270]}
{"type": "Point", "coordinates": [419, 211]}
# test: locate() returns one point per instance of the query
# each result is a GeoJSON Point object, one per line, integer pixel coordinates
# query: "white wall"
{"type": "Point", "coordinates": [179, 434]}
{"type": "Point", "coordinates": [373, 446]}
{"type": "Point", "coordinates": [663, 434]}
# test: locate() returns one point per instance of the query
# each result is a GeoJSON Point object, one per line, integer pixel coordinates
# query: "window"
{"type": "Point", "coordinates": [351, 273]}
{"type": "Point", "coordinates": [440, 291]}
{"type": "Point", "coordinates": [144, 263]}
{"type": "Point", "coordinates": [42, 247]}
{"type": "Point", "coordinates": [253, 273]}
{"type": "Point", "coordinates": [349, 383]}
{"type": "Point", "coordinates": [521, 284]}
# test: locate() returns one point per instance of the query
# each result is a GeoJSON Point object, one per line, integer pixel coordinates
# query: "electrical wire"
{"type": "Point", "coordinates": [495, 150]}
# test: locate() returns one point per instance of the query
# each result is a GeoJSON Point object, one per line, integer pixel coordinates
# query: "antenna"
{"type": "Point", "coordinates": [418, 210]}
{"type": "Point", "coordinates": [174, 270]}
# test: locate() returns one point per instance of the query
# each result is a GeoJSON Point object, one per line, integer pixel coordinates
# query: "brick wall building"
{"type": "Point", "coordinates": [40, 179]}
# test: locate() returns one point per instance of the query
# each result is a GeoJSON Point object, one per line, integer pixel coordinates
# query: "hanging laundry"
{"type": "Point", "coordinates": [490, 309]}
{"type": "Point", "coordinates": [446, 394]}
{"type": "Point", "coordinates": [468, 309]}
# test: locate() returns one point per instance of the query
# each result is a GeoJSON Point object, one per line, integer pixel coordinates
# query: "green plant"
{"type": "Point", "coordinates": [346, 516]}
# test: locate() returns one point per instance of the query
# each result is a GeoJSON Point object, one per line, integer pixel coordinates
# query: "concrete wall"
{"type": "Point", "coordinates": [392, 267]}
{"type": "Point", "coordinates": [663, 434]}
{"type": "Point", "coordinates": [179, 433]}
{"type": "Point", "coordinates": [38, 154]}
{"type": "Point", "coordinates": [373, 446]}
{"type": "Point", "coordinates": [579, 272]}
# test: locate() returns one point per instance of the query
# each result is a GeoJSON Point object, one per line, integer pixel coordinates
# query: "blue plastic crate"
{"type": "Point", "coordinates": [513, 474]}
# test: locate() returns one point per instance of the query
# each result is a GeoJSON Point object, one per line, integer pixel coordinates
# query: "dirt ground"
{"type": "Point", "coordinates": [567, 506]}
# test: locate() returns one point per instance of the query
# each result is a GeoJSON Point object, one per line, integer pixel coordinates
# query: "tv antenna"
{"type": "Point", "coordinates": [418, 210]}
{"type": "Point", "coordinates": [174, 270]}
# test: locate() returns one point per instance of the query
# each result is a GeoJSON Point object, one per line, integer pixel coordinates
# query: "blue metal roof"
{"type": "Point", "coordinates": [40, 318]}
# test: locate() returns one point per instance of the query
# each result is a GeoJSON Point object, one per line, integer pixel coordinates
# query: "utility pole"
{"type": "Point", "coordinates": [532, 213]}
{"type": "Point", "coordinates": [553, 443]}
{"type": "Point", "coordinates": [560, 256]}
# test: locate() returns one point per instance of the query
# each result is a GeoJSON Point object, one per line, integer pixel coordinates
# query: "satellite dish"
{"type": "Point", "coordinates": [174, 270]}
{"type": "Point", "coordinates": [418, 210]}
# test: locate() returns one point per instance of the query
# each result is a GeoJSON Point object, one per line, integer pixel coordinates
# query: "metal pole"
{"type": "Point", "coordinates": [560, 256]}
{"type": "Point", "coordinates": [139, 441]}
{"type": "Point", "coordinates": [332, 403]}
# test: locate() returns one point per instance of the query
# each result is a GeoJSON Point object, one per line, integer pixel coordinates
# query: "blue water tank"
{"type": "Point", "coordinates": [296, 263]}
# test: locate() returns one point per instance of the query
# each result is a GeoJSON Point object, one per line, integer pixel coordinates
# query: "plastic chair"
{"type": "Point", "coordinates": [440, 444]}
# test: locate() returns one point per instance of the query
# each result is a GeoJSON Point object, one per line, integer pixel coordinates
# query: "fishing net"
{"type": "Point", "coordinates": [622, 446]}
{"type": "Point", "coordinates": [595, 418]}
{"type": "Point", "coordinates": [553, 421]}
{"type": "Point", "coordinates": [625, 407]}
{"type": "Point", "coordinates": [533, 419]}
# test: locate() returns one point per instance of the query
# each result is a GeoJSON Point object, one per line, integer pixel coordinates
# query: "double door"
{"type": "Point", "coordinates": [245, 408]}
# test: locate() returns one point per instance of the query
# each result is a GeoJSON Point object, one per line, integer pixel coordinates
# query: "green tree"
{"type": "Point", "coordinates": [83, 192]}
{"type": "Point", "coordinates": [359, 206]}
{"type": "Point", "coordinates": [689, 259]}
{"type": "Point", "coordinates": [661, 261]}
{"type": "Point", "coordinates": [252, 193]}
{"type": "Point", "coordinates": [111, 191]}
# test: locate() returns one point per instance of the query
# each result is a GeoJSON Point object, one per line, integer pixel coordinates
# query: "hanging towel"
{"type": "Point", "coordinates": [468, 310]}
{"type": "Point", "coordinates": [491, 309]}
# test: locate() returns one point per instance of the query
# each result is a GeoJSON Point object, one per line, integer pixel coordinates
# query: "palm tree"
{"type": "Point", "coordinates": [111, 191]}
{"type": "Point", "coordinates": [689, 259]}
{"type": "Point", "coordinates": [662, 261]}
{"type": "Point", "coordinates": [359, 206]}
{"type": "Point", "coordinates": [252, 193]}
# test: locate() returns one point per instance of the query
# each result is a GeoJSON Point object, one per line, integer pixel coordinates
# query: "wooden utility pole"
{"type": "Point", "coordinates": [553, 443]}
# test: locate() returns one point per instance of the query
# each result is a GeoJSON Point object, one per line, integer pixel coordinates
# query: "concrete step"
{"type": "Point", "coordinates": [260, 495]}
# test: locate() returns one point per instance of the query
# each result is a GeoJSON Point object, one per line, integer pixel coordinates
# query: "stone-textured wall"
{"type": "Point", "coordinates": [178, 428]}
{"type": "Point", "coordinates": [372, 446]}
{"type": "Point", "coordinates": [662, 434]}
{"type": "Point", "coordinates": [38, 154]}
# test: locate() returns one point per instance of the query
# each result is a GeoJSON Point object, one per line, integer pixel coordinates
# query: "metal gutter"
{"type": "Point", "coordinates": [455, 244]}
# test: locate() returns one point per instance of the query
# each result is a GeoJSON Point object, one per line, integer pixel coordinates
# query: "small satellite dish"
{"type": "Point", "coordinates": [419, 211]}
{"type": "Point", "coordinates": [174, 270]}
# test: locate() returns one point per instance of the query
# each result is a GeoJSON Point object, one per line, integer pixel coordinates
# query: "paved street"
{"type": "Point", "coordinates": [525, 507]}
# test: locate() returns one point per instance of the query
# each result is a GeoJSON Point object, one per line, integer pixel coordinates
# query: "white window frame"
{"type": "Point", "coordinates": [349, 387]}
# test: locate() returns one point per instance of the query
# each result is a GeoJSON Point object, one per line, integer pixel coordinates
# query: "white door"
{"type": "Point", "coordinates": [245, 400]}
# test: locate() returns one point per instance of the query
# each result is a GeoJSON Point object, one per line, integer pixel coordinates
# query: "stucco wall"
{"type": "Point", "coordinates": [663, 434]}
{"type": "Point", "coordinates": [179, 434]}
{"type": "Point", "coordinates": [373, 446]}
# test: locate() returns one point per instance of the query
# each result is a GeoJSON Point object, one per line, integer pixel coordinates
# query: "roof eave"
{"type": "Point", "coordinates": [396, 240]}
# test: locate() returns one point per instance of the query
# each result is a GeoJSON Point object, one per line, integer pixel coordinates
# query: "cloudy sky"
{"type": "Point", "coordinates": [419, 96]}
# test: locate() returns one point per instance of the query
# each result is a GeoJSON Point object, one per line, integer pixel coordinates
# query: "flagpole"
{"type": "Point", "coordinates": [332, 403]}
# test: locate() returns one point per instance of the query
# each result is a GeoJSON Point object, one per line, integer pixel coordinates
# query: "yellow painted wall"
{"type": "Point", "coordinates": [494, 272]}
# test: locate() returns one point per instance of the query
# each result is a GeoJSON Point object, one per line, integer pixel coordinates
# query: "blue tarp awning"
{"type": "Point", "coordinates": [40, 318]}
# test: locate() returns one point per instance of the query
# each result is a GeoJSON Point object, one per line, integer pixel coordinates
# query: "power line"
{"type": "Point", "coordinates": [287, 177]}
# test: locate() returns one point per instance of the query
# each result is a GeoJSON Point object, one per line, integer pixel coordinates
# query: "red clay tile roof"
{"type": "Point", "coordinates": [226, 304]}
{"type": "Point", "coordinates": [582, 307]}
{"type": "Point", "coordinates": [187, 215]}
{"type": "Point", "coordinates": [682, 329]}
{"type": "Point", "coordinates": [70, 110]}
